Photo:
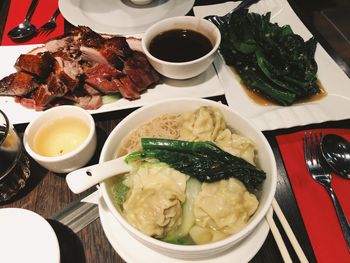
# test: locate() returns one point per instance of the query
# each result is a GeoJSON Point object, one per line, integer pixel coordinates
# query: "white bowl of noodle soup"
{"type": "Point", "coordinates": [264, 160]}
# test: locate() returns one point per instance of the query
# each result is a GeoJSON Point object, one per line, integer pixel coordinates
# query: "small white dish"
{"type": "Point", "coordinates": [126, 245]}
{"type": "Point", "coordinates": [71, 160]}
{"type": "Point", "coordinates": [188, 69]}
{"type": "Point", "coordinates": [26, 237]}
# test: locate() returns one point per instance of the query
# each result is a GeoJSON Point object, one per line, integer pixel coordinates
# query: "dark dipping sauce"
{"type": "Point", "coordinates": [180, 45]}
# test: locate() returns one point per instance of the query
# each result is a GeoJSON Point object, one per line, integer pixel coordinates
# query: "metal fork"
{"type": "Point", "coordinates": [219, 20]}
{"type": "Point", "coordinates": [50, 25]}
{"type": "Point", "coordinates": [313, 159]}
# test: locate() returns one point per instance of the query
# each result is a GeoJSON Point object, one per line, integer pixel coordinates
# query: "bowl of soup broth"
{"type": "Point", "coordinates": [61, 139]}
{"type": "Point", "coordinates": [181, 47]}
{"type": "Point", "coordinates": [196, 210]}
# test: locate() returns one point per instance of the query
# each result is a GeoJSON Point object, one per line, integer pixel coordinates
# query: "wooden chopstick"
{"type": "Point", "coordinates": [277, 236]}
{"type": "Point", "coordinates": [289, 232]}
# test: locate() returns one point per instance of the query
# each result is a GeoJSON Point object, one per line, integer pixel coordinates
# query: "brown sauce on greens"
{"type": "Point", "coordinates": [262, 100]}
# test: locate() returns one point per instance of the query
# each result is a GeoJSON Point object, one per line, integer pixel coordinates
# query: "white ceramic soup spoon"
{"type": "Point", "coordinates": [82, 179]}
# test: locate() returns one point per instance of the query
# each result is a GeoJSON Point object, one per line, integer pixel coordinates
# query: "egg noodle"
{"type": "Point", "coordinates": [165, 126]}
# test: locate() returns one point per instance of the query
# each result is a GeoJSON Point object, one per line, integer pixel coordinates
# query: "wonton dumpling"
{"type": "Point", "coordinates": [153, 204]}
{"type": "Point", "coordinates": [237, 145]}
{"type": "Point", "coordinates": [208, 124]}
{"type": "Point", "coordinates": [202, 125]}
{"type": "Point", "coordinates": [224, 206]}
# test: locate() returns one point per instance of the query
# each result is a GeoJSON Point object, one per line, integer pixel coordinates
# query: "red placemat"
{"type": "Point", "coordinates": [314, 202]}
{"type": "Point", "coordinates": [42, 13]}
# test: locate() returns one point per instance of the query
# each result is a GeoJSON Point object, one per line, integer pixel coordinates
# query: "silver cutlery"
{"type": "Point", "coordinates": [336, 150]}
{"type": "Point", "coordinates": [78, 214]}
{"type": "Point", "coordinates": [25, 29]}
{"type": "Point", "coordinates": [219, 20]}
{"type": "Point", "coordinates": [50, 25]}
{"type": "Point", "coordinates": [313, 159]}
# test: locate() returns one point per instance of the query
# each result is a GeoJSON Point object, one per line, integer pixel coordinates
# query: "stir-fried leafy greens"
{"type": "Point", "coordinates": [202, 160]}
{"type": "Point", "coordinates": [270, 59]}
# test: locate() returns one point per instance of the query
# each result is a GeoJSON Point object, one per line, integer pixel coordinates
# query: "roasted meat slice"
{"type": "Point", "coordinates": [103, 85]}
{"type": "Point", "coordinates": [70, 42]}
{"type": "Point", "coordinates": [79, 66]}
{"type": "Point", "coordinates": [5, 84]}
{"type": "Point", "coordinates": [140, 71]}
{"type": "Point", "coordinates": [116, 45]}
{"type": "Point", "coordinates": [102, 70]}
{"type": "Point", "coordinates": [68, 71]}
{"type": "Point", "coordinates": [92, 55]}
{"type": "Point", "coordinates": [113, 51]}
{"type": "Point", "coordinates": [90, 89]}
{"type": "Point", "coordinates": [39, 65]}
{"type": "Point", "coordinates": [100, 78]}
{"type": "Point", "coordinates": [127, 88]}
{"type": "Point", "coordinates": [18, 84]}
{"type": "Point", "coordinates": [56, 86]}
{"type": "Point", "coordinates": [40, 98]}
{"type": "Point", "coordinates": [86, 102]}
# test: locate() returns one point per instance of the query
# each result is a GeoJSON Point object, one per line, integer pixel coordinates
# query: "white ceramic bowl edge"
{"type": "Point", "coordinates": [183, 70]}
{"type": "Point", "coordinates": [71, 160]}
{"type": "Point", "coordinates": [241, 125]}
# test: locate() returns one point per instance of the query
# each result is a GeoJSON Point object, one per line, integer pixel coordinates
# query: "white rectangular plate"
{"type": "Point", "coordinates": [205, 85]}
{"type": "Point", "coordinates": [334, 106]}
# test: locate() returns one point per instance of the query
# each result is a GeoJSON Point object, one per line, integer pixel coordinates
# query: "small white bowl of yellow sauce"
{"type": "Point", "coordinates": [61, 139]}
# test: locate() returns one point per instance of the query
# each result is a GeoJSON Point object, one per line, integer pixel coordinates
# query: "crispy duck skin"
{"type": "Point", "coordinates": [5, 84]}
{"type": "Point", "coordinates": [80, 66]}
{"type": "Point", "coordinates": [39, 100]}
{"type": "Point", "coordinates": [18, 84]}
{"type": "Point", "coordinates": [39, 65]}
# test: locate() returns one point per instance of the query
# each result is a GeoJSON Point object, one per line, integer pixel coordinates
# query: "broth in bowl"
{"type": "Point", "coordinates": [184, 214]}
{"type": "Point", "coordinates": [172, 206]}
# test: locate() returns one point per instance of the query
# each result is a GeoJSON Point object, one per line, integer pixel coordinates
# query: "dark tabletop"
{"type": "Point", "coordinates": [47, 192]}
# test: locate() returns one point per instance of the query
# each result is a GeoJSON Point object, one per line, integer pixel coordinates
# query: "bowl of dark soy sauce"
{"type": "Point", "coordinates": [181, 47]}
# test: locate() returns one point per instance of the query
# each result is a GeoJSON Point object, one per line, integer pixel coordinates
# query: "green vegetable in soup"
{"type": "Point", "coordinates": [120, 191]}
{"type": "Point", "coordinates": [202, 160]}
{"type": "Point", "coordinates": [181, 234]}
{"type": "Point", "coordinates": [270, 59]}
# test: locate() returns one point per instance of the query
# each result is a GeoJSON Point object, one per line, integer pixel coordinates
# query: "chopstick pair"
{"type": "Point", "coordinates": [289, 232]}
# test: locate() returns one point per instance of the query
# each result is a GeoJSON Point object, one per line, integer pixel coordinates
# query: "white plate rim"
{"type": "Point", "coordinates": [334, 106]}
{"type": "Point", "coordinates": [75, 15]}
{"type": "Point", "coordinates": [51, 241]}
{"type": "Point", "coordinates": [242, 252]}
{"type": "Point", "coordinates": [205, 85]}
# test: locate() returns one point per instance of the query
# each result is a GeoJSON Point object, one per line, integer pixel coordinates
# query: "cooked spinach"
{"type": "Point", "coordinates": [270, 59]}
{"type": "Point", "coordinates": [202, 160]}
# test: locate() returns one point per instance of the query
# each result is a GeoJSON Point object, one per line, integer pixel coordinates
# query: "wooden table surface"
{"type": "Point", "coordinates": [47, 192]}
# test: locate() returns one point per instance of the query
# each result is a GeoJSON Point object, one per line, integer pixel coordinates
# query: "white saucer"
{"type": "Point", "coordinates": [121, 16]}
{"type": "Point", "coordinates": [26, 237]}
{"type": "Point", "coordinates": [133, 251]}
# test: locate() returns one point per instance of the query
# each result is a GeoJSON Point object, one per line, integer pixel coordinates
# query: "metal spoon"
{"type": "Point", "coordinates": [336, 150]}
{"type": "Point", "coordinates": [25, 29]}
{"type": "Point", "coordinates": [219, 20]}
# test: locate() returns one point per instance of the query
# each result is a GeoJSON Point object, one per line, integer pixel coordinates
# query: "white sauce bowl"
{"type": "Point", "coordinates": [182, 70]}
{"type": "Point", "coordinates": [71, 160]}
